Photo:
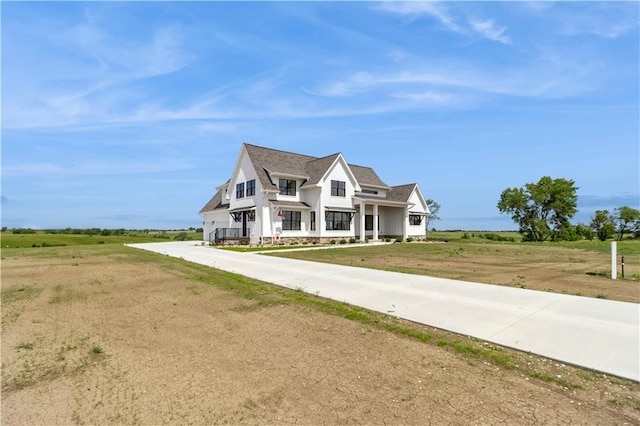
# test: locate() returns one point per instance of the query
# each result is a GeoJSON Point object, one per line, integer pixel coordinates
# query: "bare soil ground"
{"type": "Point", "coordinates": [112, 336]}
{"type": "Point", "coordinates": [555, 269]}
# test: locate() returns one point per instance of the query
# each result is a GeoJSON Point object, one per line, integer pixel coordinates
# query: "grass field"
{"type": "Point", "coordinates": [44, 239]}
{"type": "Point", "coordinates": [105, 334]}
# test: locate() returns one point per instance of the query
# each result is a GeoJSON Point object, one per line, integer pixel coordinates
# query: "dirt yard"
{"type": "Point", "coordinates": [112, 336]}
{"type": "Point", "coordinates": [555, 269]}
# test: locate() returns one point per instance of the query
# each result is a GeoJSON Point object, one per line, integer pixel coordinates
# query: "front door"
{"type": "Point", "coordinates": [244, 224]}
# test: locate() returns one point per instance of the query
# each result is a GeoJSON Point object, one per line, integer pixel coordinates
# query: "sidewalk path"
{"type": "Point", "coordinates": [594, 333]}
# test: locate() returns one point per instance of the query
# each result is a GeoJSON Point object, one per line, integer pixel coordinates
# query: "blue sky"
{"type": "Point", "coordinates": [130, 114]}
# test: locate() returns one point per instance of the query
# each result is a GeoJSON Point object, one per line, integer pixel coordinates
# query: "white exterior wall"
{"type": "Point", "coordinates": [336, 172]}
{"type": "Point", "coordinates": [312, 196]}
{"type": "Point", "coordinates": [212, 220]}
{"type": "Point", "coordinates": [243, 173]}
{"type": "Point", "coordinates": [418, 207]}
{"type": "Point", "coordinates": [391, 219]}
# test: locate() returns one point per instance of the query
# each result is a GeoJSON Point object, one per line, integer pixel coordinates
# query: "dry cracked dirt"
{"type": "Point", "coordinates": [115, 337]}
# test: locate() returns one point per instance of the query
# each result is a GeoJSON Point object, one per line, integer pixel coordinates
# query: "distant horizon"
{"type": "Point", "coordinates": [130, 114]}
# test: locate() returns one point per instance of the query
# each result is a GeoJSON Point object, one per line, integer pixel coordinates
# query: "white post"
{"type": "Point", "coordinates": [614, 255]}
{"type": "Point", "coordinates": [375, 222]}
{"type": "Point", "coordinates": [363, 236]}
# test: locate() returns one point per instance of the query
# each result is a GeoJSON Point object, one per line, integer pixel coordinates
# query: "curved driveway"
{"type": "Point", "coordinates": [594, 333]}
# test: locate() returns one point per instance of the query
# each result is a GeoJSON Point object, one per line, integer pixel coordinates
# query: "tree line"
{"type": "Point", "coordinates": [542, 211]}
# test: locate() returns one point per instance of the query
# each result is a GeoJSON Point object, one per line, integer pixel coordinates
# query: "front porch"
{"type": "Point", "coordinates": [376, 219]}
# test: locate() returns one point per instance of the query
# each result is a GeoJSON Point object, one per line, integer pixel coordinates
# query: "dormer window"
{"type": "Point", "coordinates": [240, 190]}
{"type": "Point", "coordinates": [338, 188]}
{"type": "Point", "coordinates": [287, 187]}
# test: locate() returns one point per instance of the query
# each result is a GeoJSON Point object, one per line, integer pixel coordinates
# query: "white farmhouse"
{"type": "Point", "coordinates": [275, 196]}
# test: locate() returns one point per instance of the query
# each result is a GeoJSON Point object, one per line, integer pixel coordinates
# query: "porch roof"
{"type": "Point", "coordinates": [242, 209]}
{"type": "Point", "coordinates": [381, 201]}
{"type": "Point", "coordinates": [340, 209]}
{"type": "Point", "coordinates": [290, 204]}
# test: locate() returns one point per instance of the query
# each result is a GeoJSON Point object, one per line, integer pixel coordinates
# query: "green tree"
{"type": "Point", "coordinates": [542, 210]}
{"type": "Point", "coordinates": [627, 219]}
{"type": "Point", "coordinates": [603, 224]}
{"type": "Point", "coordinates": [584, 231]}
{"type": "Point", "coordinates": [434, 208]}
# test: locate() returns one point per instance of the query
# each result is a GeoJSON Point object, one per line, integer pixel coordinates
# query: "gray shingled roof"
{"type": "Point", "coordinates": [276, 161]}
{"type": "Point", "coordinates": [214, 203]}
{"type": "Point", "coordinates": [367, 176]}
{"type": "Point", "coordinates": [400, 192]}
{"type": "Point", "coordinates": [318, 167]}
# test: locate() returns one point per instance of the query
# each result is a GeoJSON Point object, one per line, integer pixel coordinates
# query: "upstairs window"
{"type": "Point", "coordinates": [240, 190]}
{"type": "Point", "coordinates": [287, 187]}
{"type": "Point", "coordinates": [415, 219]}
{"type": "Point", "coordinates": [291, 220]}
{"type": "Point", "coordinates": [338, 188]}
{"type": "Point", "coordinates": [370, 191]}
{"type": "Point", "coordinates": [251, 187]}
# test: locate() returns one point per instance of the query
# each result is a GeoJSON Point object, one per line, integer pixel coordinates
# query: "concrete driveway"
{"type": "Point", "coordinates": [603, 335]}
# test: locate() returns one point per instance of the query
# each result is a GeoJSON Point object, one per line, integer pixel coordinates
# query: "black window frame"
{"type": "Point", "coordinates": [291, 220]}
{"type": "Point", "coordinates": [251, 188]}
{"type": "Point", "coordinates": [287, 187]}
{"type": "Point", "coordinates": [335, 221]}
{"type": "Point", "coordinates": [338, 188]}
{"type": "Point", "coordinates": [312, 221]}
{"type": "Point", "coordinates": [368, 222]}
{"type": "Point", "coordinates": [240, 190]}
{"type": "Point", "coordinates": [415, 217]}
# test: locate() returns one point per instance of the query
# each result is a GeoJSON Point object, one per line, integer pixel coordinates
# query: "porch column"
{"type": "Point", "coordinates": [362, 214]}
{"type": "Point", "coordinates": [405, 223]}
{"type": "Point", "coordinates": [375, 222]}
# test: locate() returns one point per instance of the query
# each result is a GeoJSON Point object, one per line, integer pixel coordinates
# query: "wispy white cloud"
{"type": "Point", "coordinates": [429, 96]}
{"type": "Point", "coordinates": [86, 168]}
{"type": "Point", "coordinates": [608, 20]}
{"type": "Point", "coordinates": [435, 10]}
{"type": "Point", "coordinates": [95, 73]}
{"type": "Point", "coordinates": [488, 30]}
{"type": "Point", "coordinates": [551, 77]}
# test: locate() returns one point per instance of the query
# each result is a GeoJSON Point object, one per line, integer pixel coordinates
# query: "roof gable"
{"type": "Point", "coordinates": [318, 168]}
{"type": "Point", "coordinates": [339, 159]}
{"type": "Point", "coordinates": [401, 192]}
{"type": "Point", "coordinates": [404, 192]}
{"type": "Point", "coordinates": [267, 160]}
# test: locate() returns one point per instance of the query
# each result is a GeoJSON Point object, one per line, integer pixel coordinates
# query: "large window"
{"type": "Point", "coordinates": [291, 220]}
{"type": "Point", "coordinates": [338, 221]}
{"type": "Point", "coordinates": [240, 190]}
{"type": "Point", "coordinates": [251, 187]}
{"type": "Point", "coordinates": [313, 221]}
{"type": "Point", "coordinates": [415, 219]}
{"type": "Point", "coordinates": [287, 187]}
{"type": "Point", "coordinates": [338, 188]}
{"type": "Point", "coordinates": [368, 222]}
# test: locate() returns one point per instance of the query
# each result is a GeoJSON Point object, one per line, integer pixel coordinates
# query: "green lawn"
{"type": "Point", "coordinates": [44, 239]}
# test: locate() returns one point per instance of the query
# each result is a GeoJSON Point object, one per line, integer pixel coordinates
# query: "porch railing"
{"type": "Point", "coordinates": [226, 234]}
